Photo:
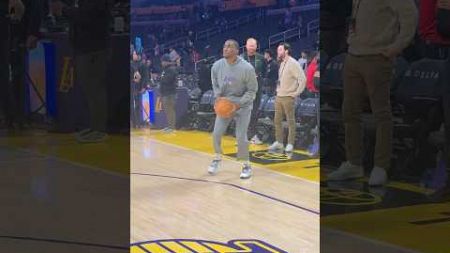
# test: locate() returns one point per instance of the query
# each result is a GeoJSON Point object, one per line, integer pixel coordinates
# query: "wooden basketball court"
{"type": "Point", "coordinates": [57, 200]}
{"type": "Point", "coordinates": [177, 207]}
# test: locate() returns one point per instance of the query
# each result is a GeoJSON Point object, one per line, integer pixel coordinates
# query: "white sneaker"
{"type": "Point", "coordinates": [255, 140]}
{"type": "Point", "coordinates": [214, 167]}
{"type": "Point", "coordinates": [276, 146]}
{"type": "Point", "coordinates": [289, 148]}
{"type": "Point", "coordinates": [246, 172]}
{"type": "Point", "coordinates": [83, 132]}
{"type": "Point", "coordinates": [93, 137]}
{"type": "Point", "coordinates": [378, 177]}
{"type": "Point", "coordinates": [168, 130]}
{"type": "Point", "coordinates": [346, 171]}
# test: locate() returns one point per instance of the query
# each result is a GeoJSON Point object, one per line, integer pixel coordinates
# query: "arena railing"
{"type": "Point", "coordinates": [283, 36]}
{"type": "Point", "coordinates": [215, 30]}
{"type": "Point", "coordinates": [312, 26]}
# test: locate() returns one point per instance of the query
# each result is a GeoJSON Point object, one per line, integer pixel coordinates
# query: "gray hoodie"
{"type": "Point", "coordinates": [236, 82]}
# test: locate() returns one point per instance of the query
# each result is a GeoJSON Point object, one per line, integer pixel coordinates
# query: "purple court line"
{"type": "Point", "coordinates": [234, 186]}
{"type": "Point", "coordinates": [87, 244]}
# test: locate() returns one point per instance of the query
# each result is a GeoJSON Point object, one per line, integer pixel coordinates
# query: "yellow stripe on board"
{"type": "Point", "coordinates": [424, 228]}
{"type": "Point", "coordinates": [137, 249]}
{"type": "Point", "coordinates": [154, 248]}
{"type": "Point", "coordinates": [197, 247]}
{"type": "Point", "coordinates": [111, 155]}
{"type": "Point", "coordinates": [224, 249]}
{"type": "Point", "coordinates": [202, 142]}
{"type": "Point", "coordinates": [176, 247]}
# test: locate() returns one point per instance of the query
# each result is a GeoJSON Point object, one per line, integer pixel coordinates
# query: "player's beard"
{"type": "Point", "coordinates": [281, 57]}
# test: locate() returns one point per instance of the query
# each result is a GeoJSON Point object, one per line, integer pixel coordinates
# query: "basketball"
{"type": "Point", "coordinates": [224, 108]}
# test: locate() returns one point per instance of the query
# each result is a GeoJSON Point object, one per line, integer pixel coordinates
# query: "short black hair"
{"type": "Point", "coordinates": [234, 42]}
{"type": "Point", "coordinates": [268, 51]}
{"type": "Point", "coordinates": [286, 46]}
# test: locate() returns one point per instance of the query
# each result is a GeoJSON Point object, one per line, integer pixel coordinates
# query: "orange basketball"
{"type": "Point", "coordinates": [224, 108]}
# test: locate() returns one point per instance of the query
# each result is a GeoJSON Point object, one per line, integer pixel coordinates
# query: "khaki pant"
{"type": "Point", "coordinates": [285, 106]}
{"type": "Point", "coordinates": [368, 76]}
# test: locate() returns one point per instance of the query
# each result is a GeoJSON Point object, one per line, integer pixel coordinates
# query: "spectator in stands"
{"type": "Point", "coordinates": [157, 50]}
{"type": "Point", "coordinates": [24, 36]}
{"type": "Point", "coordinates": [271, 75]}
{"type": "Point", "coordinates": [287, 18]}
{"type": "Point", "coordinates": [310, 76]}
{"type": "Point", "coordinates": [303, 60]}
{"type": "Point", "coordinates": [433, 44]}
{"type": "Point", "coordinates": [207, 51]}
{"type": "Point", "coordinates": [291, 83]}
{"type": "Point", "coordinates": [191, 35]}
{"type": "Point", "coordinates": [258, 62]}
{"type": "Point", "coordinates": [195, 56]}
{"type": "Point", "coordinates": [300, 22]}
{"type": "Point", "coordinates": [149, 69]}
{"type": "Point", "coordinates": [138, 75]}
{"type": "Point", "coordinates": [168, 91]}
{"type": "Point", "coordinates": [204, 75]}
{"type": "Point", "coordinates": [90, 37]}
{"type": "Point", "coordinates": [379, 32]}
{"type": "Point", "coordinates": [174, 56]}
{"type": "Point", "coordinates": [6, 90]}
{"type": "Point", "coordinates": [435, 32]}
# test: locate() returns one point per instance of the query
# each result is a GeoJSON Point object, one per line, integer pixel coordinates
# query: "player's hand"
{"type": "Point", "coordinates": [137, 77]}
{"type": "Point", "coordinates": [390, 53]}
{"type": "Point", "coordinates": [16, 9]}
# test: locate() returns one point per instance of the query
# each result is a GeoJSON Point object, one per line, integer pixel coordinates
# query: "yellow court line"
{"type": "Point", "coordinates": [202, 142]}
{"type": "Point", "coordinates": [399, 226]}
{"type": "Point", "coordinates": [397, 185]}
{"type": "Point", "coordinates": [108, 155]}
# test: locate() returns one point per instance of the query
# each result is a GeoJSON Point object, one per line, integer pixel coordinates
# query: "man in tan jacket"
{"type": "Point", "coordinates": [379, 31]}
{"type": "Point", "coordinates": [291, 83]}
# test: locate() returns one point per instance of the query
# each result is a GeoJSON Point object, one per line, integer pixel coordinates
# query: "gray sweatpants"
{"type": "Point", "coordinates": [242, 118]}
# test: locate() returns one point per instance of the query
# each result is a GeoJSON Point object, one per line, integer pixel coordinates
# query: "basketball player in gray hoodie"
{"type": "Point", "coordinates": [234, 79]}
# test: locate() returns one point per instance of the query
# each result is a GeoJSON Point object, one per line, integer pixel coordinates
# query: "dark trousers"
{"type": "Point", "coordinates": [255, 111]}
{"type": "Point", "coordinates": [6, 101]}
{"type": "Point", "coordinates": [18, 62]}
{"type": "Point", "coordinates": [90, 74]}
{"type": "Point", "coordinates": [136, 110]}
{"type": "Point", "coordinates": [446, 107]}
{"type": "Point", "coordinates": [269, 87]}
{"type": "Point", "coordinates": [169, 107]}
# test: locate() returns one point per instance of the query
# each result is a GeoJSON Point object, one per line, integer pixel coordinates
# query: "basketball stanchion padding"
{"type": "Point", "coordinates": [224, 108]}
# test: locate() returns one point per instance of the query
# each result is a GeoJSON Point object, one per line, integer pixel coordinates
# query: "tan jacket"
{"type": "Point", "coordinates": [381, 25]}
{"type": "Point", "coordinates": [292, 79]}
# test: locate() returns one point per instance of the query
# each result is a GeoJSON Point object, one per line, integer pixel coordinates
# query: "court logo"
{"type": "Point", "coordinates": [201, 246]}
{"type": "Point", "coordinates": [267, 158]}
{"type": "Point", "coordinates": [347, 197]}
{"type": "Point", "coordinates": [66, 76]}
{"type": "Point", "coordinates": [271, 156]}
{"type": "Point", "coordinates": [159, 106]}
